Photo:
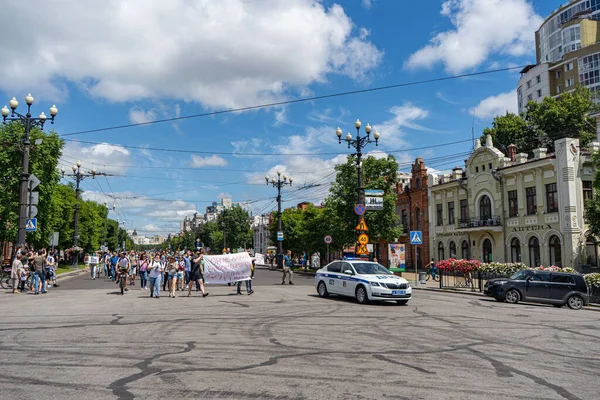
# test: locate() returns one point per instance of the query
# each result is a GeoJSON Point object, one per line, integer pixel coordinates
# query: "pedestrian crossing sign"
{"type": "Point", "coordinates": [31, 225]}
{"type": "Point", "coordinates": [416, 237]}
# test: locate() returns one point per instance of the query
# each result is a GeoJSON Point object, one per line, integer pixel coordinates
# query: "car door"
{"type": "Point", "coordinates": [538, 286]}
{"type": "Point", "coordinates": [332, 280]}
{"type": "Point", "coordinates": [560, 286]}
{"type": "Point", "coordinates": [347, 280]}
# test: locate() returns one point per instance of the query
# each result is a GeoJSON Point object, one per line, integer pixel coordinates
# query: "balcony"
{"type": "Point", "coordinates": [480, 223]}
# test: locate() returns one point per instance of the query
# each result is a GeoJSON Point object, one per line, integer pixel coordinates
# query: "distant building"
{"type": "Point", "coordinates": [260, 230]}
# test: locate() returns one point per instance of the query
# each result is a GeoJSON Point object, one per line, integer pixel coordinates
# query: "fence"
{"type": "Point", "coordinates": [473, 281]}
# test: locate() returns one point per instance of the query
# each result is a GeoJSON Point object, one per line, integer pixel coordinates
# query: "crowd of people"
{"type": "Point", "coordinates": [34, 270]}
{"type": "Point", "coordinates": [173, 271]}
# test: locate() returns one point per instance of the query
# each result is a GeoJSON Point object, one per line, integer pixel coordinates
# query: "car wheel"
{"type": "Point", "coordinates": [512, 296]}
{"type": "Point", "coordinates": [322, 289]}
{"type": "Point", "coordinates": [575, 302]}
{"type": "Point", "coordinates": [402, 302]}
{"type": "Point", "coordinates": [558, 305]}
{"type": "Point", "coordinates": [361, 295]}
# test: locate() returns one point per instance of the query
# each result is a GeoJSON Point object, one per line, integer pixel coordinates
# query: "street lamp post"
{"type": "Point", "coordinates": [358, 144]}
{"type": "Point", "coordinates": [78, 176]}
{"type": "Point", "coordinates": [28, 122]}
{"type": "Point", "coordinates": [279, 184]}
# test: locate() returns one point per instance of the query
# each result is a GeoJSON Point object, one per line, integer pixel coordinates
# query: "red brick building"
{"type": "Point", "coordinates": [412, 208]}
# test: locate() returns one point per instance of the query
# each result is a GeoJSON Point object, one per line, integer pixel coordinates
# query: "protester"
{"type": "Point", "coordinates": [288, 268]}
{"type": "Point", "coordinates": [197, 273]}
{"type": "Point", "coordinates": [133, 259]}
{"type": "Point", "coordinates": [248, 282]}
{"type": "Point", "coordinates": [156, 271]}
{"type": "Point", "coordinates": [39, 282]}
{"type": "Point", "coordinates": [143, 267]}
{"type": "Point", "coordinates": [94, 260]}
{"type": "Point", "coordinates": [113, 266]}
{"type": "Point", "coordinates": [172, 269]}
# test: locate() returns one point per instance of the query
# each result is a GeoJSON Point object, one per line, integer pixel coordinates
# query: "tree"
{"type": "Point", "coordinates": [237, 227]}
{"type": "Point", "coordinates": [43, 160]}
{"type": "Point", "coordinates": [543, 123]}
{"type": "Point", "coordinates": [379, 173]}
{"type": "Point", "coordinates": [291, 221]}
{"type": "Point", "coordinates": [592, 207]}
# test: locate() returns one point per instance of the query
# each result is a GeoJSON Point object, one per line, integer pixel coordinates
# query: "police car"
{"type": "Point", "coordinates": [364, 280]}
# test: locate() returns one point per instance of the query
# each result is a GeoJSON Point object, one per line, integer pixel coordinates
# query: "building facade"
{"type": "Point", "coordinates": [567, 53]}
{"type": "Point", "coordinates": [411, 207]}
{"type": "Point", "coordinates": [260, 230]}
{"type": "Point", "coordinates": [515, 209]}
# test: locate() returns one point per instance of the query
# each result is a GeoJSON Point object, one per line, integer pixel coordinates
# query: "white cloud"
{"type": "Point", "coordinates": [208, 161]}
{"type": "Point", "coordinates": [104, 157]}
{"type": "Point", "coordinates": [137, 115]}
{"type": "Point", "coordinates": [481, 28]}
{"type": "Point", "coordinates": [496, 105]}
{"type": "Point", "coordinates": [404, 117]}
{"type": "Point", "coordinates": [440, 95]}
{"type": "Point", "coordinates": [226, 53]}
{"type": "Point", "coordinates": [367, 3]}
{"type": "Point", "coordinates": [223, 195]}
{"type": "Point", "coordinates": [254, 145]}
{"type": "Point", "coordinates": [150, 228]}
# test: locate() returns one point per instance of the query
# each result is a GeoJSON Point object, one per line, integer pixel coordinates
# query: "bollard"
{"type": "Point", "coordinates": [422, 278]}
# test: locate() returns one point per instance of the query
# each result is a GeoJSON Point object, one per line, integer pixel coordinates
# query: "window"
{"type": "Point", "coordinates": [513, 204]}
{"type": "Point", "coordinates": [568, 66]}
{"type": "Point", "coordinates": [439, 216]}
{"type": "Point", "coordinates": [404, 219]}
{"type": "Point", "coordinates": [476, 170]}
{"type": "Point", "coordinates": [588, 190]}
{"type": "Point", "coordinates": [563, 279]}
{"type": "Point", "coordinates": [591, 249]}
{"type": "Point", "coordinates": [540, 276]}
{"type": "Point", "coordinates": [538, 79]}
{"type": "Point", "coordinates": [441, 251]}
{"type": "Point", "coordinates": [558, 88]}
{"type": "Point", "coordinates": [464, 250]}
{"type": "Point", "coordinates": [485, 208]}
{"type": "Point", "coordinates": [551, 198]}
{"type": "Point", "coordinates": [417, 219]}
{"type": "Point", "coordinates": [451, 212]}
{"type": "Point", "coordinates": [531, 202]}
{"type": "Point", "coordinates": [555, 251]}
{"type": "Point", "coordinates": [452, 249]}
{"type": "Point", "coordinates": [483, 167]}
{"type": "Point", "coordinates": [539, 92]}
{"type": "Point", "coordinates": [515, 250]}
{"type": "Point", "coordinates": [490, 166]}
{"type": "Point", "coordinates": [534, 252]}
{"type": "Point", "coordinates": [335, 267]}
{"type": "Point", "coordinates": [557, 74]}
{"type": "Point", "coordinates": [529, 97]}
{"type": "Point", "coordinates": [418, 183]}
{"type": "Point", "coordinates": [487, 251]}
{"type": "Point", "coordinates": [570, 82]}
{"type": "Point", "coordinates": [464, 210]}
{"type": "Point", "coordinates": [529, 84]}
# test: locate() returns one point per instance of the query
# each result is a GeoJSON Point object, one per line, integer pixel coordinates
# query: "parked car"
{"type": "Point", "coordinates": [556, 288]}
{"type": "Point", "coordinates": [364, 280]}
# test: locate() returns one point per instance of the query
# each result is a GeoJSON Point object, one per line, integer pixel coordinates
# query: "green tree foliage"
{"type": "Point", "coordinates": [592, 207]}
{"type": "Point", "coordinates": [237, 227]}
{"type": "Point", "coordinates": [543, 123]}
{"type": "Point", "coordinates": [378, 173]}
{"type": "Point", "coordinates": [43, 162]}
{"type": "Point", "coordinates": [291, 222]}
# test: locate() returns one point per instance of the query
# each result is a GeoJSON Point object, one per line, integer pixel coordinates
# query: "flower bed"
{"type": "Point", "coordinates": [593, 280]}
{"type": "Point", "coordinates": [454, 265]}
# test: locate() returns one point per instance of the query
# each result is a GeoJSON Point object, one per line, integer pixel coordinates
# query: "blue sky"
{"type": "Point", "coordinates": [121, 62]}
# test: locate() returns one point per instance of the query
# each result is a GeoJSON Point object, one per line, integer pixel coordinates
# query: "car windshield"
{"type": "Point", "coordinates": [370, 269]}
{"type": "Point", "coordinates": [520, 276]}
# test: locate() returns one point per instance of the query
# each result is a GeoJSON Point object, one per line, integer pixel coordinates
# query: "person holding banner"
{"type": "Point", "coordinates": [197, 273]}
{"type": "Point", "coordinates": [248, 282]}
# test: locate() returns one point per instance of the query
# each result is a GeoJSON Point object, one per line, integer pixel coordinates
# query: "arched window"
{"type": "Point", "coordinates": [452, 249]}
{"type": "Point", "coordinates": [487, 251]}
{"type": "Point", "coordinates": [418, 183]}
{"type": "Point", "coordinates": [591, 247]}
{"type": "Point", "coordinates": [441, 251]}
{"type": "Point", "coordinates": [515, 250]}
{"type": "Point", "coordinates": [555, 251]}
{"type": "Point", "coordinates": [464, 250]}
{"type": "Point", "coordinates": [534, 252]}
{"type": "Point", "coordinates": [485, 208]}
{"type": "Point", "coordinates": [417, 219]}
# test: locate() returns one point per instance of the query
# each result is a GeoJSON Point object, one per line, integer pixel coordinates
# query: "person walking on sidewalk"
{"type": "Point", "coordinates": [288, 267]}
{"type": "Point", "coordinates": [39, 279]}
{"type": "Point", "coordinates": [94, 261]}
{"type": "Point", "coordinates": [144, 263]}
{"type": "Point", "coordinates": [197, 273]}
{"type": "Point", "coordinates": [15, 272]}
{"type": "Point", "coordinates": [156, 271]}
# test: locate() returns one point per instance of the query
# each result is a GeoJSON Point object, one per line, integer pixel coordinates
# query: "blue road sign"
{"type": "Point", "coordinates": [360, 209]}
{"type": "Point", "coordinates": [416, 237]}
{"type": "Point", "coordinates": [31, 225]}
{"type": "Point", "coordinates": [279, 236]}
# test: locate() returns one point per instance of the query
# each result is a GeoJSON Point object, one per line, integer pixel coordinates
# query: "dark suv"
{"type": "Point", "coordinates": [556, 288]}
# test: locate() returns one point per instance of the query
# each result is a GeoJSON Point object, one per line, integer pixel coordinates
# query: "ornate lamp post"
{"type": "Point", "coordinates": [279, 184]}
{"type": "Point", "coordinates": [28, 122]}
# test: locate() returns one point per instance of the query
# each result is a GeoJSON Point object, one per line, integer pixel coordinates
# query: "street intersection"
{"type": "Point", "coordinates": [83, 340]}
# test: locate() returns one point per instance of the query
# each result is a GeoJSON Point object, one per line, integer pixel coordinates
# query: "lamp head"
{"type": "Point", "coordinates": [267, 179]}
{"type": "Point", "coordinates": [376, 135]}
{"type": "Point", "coordinates": [291, 180]}
{"type": "Point", "coordinates": [284, 177]}
{"type": "Point", "coordinates": [5, 111]}
{"type": "Point", "coordinates": [53, 110]}
{"type": "Point", "coordinates": [93, 171]}
{"type": "Point", "coordinates": [338, 132]}
{"type": "Point", "coordinates": [368, 128]}
{"type": "Point", "coordinates": [348, 137]}
{"type": "Point", "coordinates": [62, 170]}
{"type": "Point", "coordinates": [273, 181]}
{"type": "Point", "coordinates": [357, 124]}
{"type": "Point", "coordinates": [278, 173]}
{"type": "Point", "coordinates": [29, 99]}
{"type": "Point", "coordinates": [42, 117]}
{"type": "Point", "coordinates": [13, 103]}
{"type": "Point", "coordinates": [78, 163]}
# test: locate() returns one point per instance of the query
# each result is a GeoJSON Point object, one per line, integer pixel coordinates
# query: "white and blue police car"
{"type": "Point", "coordinates": [364, 280]}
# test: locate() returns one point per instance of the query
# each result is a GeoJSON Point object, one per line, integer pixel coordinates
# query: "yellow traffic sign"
{"type": "Point", "coordinates": [362, 249]}
{"type": "Point", "coordinates": [362, 226]}
{"type": "Point", "coordinates": [363, 238]}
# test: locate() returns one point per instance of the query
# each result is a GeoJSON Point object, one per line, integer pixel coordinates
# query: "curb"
{"type": "Point", "coordinates": [588, 308]}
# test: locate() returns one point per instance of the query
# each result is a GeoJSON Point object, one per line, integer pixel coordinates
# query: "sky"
{"type": "Point", "coordinates": [115, 63]}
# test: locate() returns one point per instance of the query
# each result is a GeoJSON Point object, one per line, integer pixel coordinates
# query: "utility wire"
{"type": "Point", "coordinates": [300, 100]}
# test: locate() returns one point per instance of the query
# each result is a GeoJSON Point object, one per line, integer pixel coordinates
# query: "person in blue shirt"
{"type": "Point", "coordinates": [113, 266]}
{"type": "Point", "coordinates": [288, 267]}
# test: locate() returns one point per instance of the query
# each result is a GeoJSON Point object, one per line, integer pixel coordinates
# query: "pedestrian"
{"type": "Point", "coordinates": [39, 282]}
{"type": "Point", "coordinates": [143, 266]}
{"type": "Point", "coordinates": [113, 266]}
{"type": "Point", "coordinates": [23, 273]}
{"type": "Point", "coordinates": [133, 271]}
{"type": "Point", "coordinates": [165, 278]}
{"type": "Point", "coordinates": [15, 274]}
{"type": "Point", "coordinates": [156, 271]}
{"type": "Point", "coordinates": [188, 267]}
{"type": "Point", "coordinates": [248, 282]}
{"type": "Point", "coordinates": [288, 268]}
{"type": "Point", "coordinates": [94, 260]}
{"type": "Point", "coordinates": [197, 273]}
{"type": "Point", "coordinates": [181, 273]}
{"type": "Point", "coordinates": [50, 269]}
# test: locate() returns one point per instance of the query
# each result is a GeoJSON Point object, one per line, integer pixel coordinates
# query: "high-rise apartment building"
{"type": "Point", "coordinates": [567, 54]}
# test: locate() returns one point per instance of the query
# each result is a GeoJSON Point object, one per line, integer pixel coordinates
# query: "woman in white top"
{"type": "Point", "coordinates": [156, 269]}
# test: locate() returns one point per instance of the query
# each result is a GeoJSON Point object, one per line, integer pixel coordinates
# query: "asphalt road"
{"type": "Point", "coordinates": [284, 342]}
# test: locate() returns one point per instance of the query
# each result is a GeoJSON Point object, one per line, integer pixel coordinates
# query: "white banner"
{"type": "Point", "coordinates": [259, 258]}
{"type": "Point", "coordinates": [227, 268]}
